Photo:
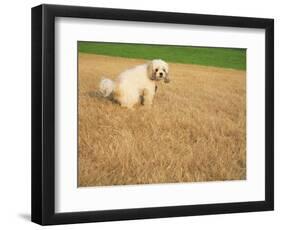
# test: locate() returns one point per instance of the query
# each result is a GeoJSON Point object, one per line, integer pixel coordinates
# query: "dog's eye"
{"type": "Point", "coordinates": [164, 70]}
{"type": "Point", "coordinates": [156, 70]}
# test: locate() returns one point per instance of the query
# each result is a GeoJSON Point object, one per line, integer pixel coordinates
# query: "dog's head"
{"type": "Point", "coordinates": [158, 70]}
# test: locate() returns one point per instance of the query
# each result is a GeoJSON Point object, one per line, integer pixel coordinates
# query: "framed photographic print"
{"type": "Point", "coordinates": [142, 114]}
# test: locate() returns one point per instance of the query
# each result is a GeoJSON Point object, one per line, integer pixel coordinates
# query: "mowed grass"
{"type": "Point", "coordinates": [220, 57]}
{"type": "Point", "coordinates": [194, 132]}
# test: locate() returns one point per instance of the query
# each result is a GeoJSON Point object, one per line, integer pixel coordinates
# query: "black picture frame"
{"type": "Point", "coordinates": [43, 114]}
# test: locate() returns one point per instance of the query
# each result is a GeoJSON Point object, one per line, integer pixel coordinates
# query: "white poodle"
{"type": "Point", "coordinates": [136, 83]}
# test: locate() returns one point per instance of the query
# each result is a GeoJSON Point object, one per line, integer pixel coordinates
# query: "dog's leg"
{"type": "Point", "coordinates": [148, 96]}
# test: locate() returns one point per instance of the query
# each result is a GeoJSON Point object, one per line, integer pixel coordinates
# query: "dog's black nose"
{"type": "Point", "coordinates": [161, 74]}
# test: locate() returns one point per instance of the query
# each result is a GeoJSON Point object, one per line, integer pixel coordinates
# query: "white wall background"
{"type": "Point", "coordinates": [15, 114]}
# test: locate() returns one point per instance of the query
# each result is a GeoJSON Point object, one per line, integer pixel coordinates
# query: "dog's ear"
{"type": "Point", "coordinates": [150, 70]}
{"type": "Point", "coordinates": [167, 76]}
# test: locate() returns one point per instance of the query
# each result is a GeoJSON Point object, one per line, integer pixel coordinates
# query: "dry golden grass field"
{"type": "Point", "coordinates": [195, 130]}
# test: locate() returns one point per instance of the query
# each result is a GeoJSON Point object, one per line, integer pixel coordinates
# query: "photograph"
{"type": "Point", "coordinates": [158, 114]}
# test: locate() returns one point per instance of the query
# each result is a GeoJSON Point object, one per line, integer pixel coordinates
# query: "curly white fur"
{"type": "Point", "coordinates": [137, 82]}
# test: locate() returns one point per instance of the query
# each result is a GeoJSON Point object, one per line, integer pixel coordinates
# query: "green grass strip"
{"type": "Point", "coordinates": [219, 57]}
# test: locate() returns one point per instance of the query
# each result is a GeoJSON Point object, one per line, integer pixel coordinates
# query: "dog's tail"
{"type": "Point", "coordinates": [106, 87]}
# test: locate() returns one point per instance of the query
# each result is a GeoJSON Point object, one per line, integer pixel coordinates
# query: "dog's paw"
{"type": "Point", "coordinates": [147, 103]}
{"type": "Point", "coordinates": [127, 106]}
